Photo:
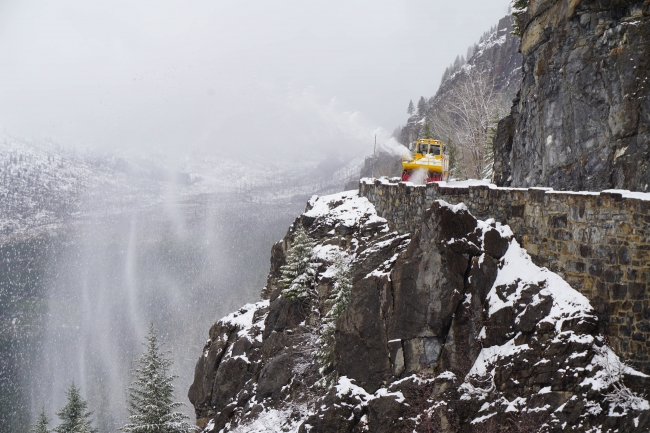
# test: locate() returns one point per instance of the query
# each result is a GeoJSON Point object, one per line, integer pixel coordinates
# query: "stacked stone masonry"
{"type": "Point", "coordinates": [598, 242]}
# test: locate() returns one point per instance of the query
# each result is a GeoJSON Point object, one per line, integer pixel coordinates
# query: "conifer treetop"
{"type": "Point", "coordinates": [151, 395]}
{"type": "Point", "coordinates": [411, 108]}
{"type": "Point", "coordinates": [336, 304]}
{"type": "Point", "coordinates": [75, 417]}
{"type": "Point", "coordinates": [297, 276]}
{"type": "Point", "coordinates": [41, 423]}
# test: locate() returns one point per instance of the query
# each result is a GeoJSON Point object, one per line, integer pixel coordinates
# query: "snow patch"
{"type": "Point", "coordinates": [345, 208]}
{"type": "Point", "coordinates": [345, 387]}
{"type": "Point", "coordinates": [455, 208]}
{"type": "Point", "coordinates": [518, 268]}
{"type": "Point", "coordinates": [273, 421]}
{"type": "Point", "coordinates": [491, 355]}
{"type": "Point", "coordinates": [480, 419]}
{"type": "Point", "coordinates": [630, 194]}
{"type": "Point", "coordinates": [242, 319]}
{"type": "Point", "coordinates": [326, 252]}
{"type": "Point", "coordinates": [446, 375]}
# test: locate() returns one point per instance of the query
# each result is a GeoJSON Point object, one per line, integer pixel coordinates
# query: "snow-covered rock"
{"type": "Point", "coordinates": [450, 328]}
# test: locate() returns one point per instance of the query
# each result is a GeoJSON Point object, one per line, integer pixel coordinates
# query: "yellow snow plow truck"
{"type": "Point", "coordinates": [430, 162]}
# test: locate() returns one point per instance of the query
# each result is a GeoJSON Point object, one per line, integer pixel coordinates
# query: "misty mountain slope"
{"type": "Point", "coordinates": [386, 161]}
{"type": "Point", "coordinates": [497, 54]}
{"type": "Point", "coordinates": [44, 185]}
{"type": "Point", "coordinates": [451, 328]}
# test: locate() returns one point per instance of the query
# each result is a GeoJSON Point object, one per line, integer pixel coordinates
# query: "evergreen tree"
{"type": "Point", "coordinates": [457, 63]}
{"type": "Point", "coordinates": [422, 106]}
{"type": "Point", "coordinates": [151, 395]}
{"type": "Point", "coordinates": [518, 7]}
{"type": "Point", "coordinates": [74, 416]}
{"type": "Point", "coordinates": [471, 50]}
{"type": "Point", "coordinates": [446, 74]}
{"type": "Point", "coordinates": [411, 109]}
{"type": "Point", "coordinates": [426, 131]}
{"type": "Point", "coordinates": [41, 423]}
{"type": "Point", "coordinates": [336, 305]}
{"type": "Point", "coordinates": [297, 276]}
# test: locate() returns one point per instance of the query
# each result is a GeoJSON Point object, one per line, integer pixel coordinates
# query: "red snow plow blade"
{"type": "Point", "coordinates": [431, 176]}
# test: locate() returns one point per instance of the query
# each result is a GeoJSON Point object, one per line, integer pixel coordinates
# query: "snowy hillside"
{"type": "Point", "coordinates": [43, 185]}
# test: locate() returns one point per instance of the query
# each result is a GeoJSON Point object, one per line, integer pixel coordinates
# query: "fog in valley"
{"type": "Point", "coordinates": [151, 153]}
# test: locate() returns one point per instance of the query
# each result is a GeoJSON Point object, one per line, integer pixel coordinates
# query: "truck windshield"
{"type": "Point", "coordinates": [433, 149]}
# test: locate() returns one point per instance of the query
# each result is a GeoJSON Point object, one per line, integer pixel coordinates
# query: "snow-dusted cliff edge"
{"type": "Point", "coordinates": [449, 328]}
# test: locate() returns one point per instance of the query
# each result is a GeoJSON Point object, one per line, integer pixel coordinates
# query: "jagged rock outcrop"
{"type": "Point", "coordinates": [261, 358]}
{"type": "Point", "coordinates": [598, 242]}
{"type": "Point", "coordinates": [582, 119]}
{"type": "Point", "coordinates": [451, 328]}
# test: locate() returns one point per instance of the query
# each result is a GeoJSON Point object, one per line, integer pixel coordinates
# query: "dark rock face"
{"type": "Point", "coordinates": [450, 329]}
{"type": "Point", "coordinates": [453, 327]}
{"type": "Point", "coordinates": [502, 149]}
{"type": "Point", "coordinates": [262, 356]}
{"type": "Point", "coordinates": [583, 118]}
{"type": "Point", "coordinates": [413, 310]}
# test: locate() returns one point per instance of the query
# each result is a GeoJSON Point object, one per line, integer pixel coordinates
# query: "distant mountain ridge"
{"type": "Point", "coordinates": [44, 185]}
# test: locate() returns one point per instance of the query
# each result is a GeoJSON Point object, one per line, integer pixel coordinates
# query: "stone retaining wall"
{"type": "Point", "coordinates": [598, 242]}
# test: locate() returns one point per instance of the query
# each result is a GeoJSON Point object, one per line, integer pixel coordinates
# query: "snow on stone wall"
{"type": "Point", "coordinates": [598, 242]}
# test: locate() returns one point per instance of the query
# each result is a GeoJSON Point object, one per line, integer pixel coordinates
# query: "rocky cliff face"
{"type": "Point", "coordinates": [597, 242]}
{"type": "Point", "coordinates": [450, 328]}
{"type": "Point", "coordinates": [582, 120]}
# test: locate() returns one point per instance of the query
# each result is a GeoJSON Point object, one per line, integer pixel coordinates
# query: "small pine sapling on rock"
{"type": "Point", "coordinates": [336, 304]}
{"type": "Point", "coordinates": [41, 423]}
{"type": "Point", "coordinates": [75, 417]}
{"type": "Point", "coordinates": [411, 108]}
{"type": "Point", "coordinates": [518, 7]}
{"type": "Point", "coordinates": [151, 395]}
{"type": "Point", "coordinates": [297, 276]}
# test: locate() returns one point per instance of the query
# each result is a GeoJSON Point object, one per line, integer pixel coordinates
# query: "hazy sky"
{"type": "Point", "coordinates": [225, 75]}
